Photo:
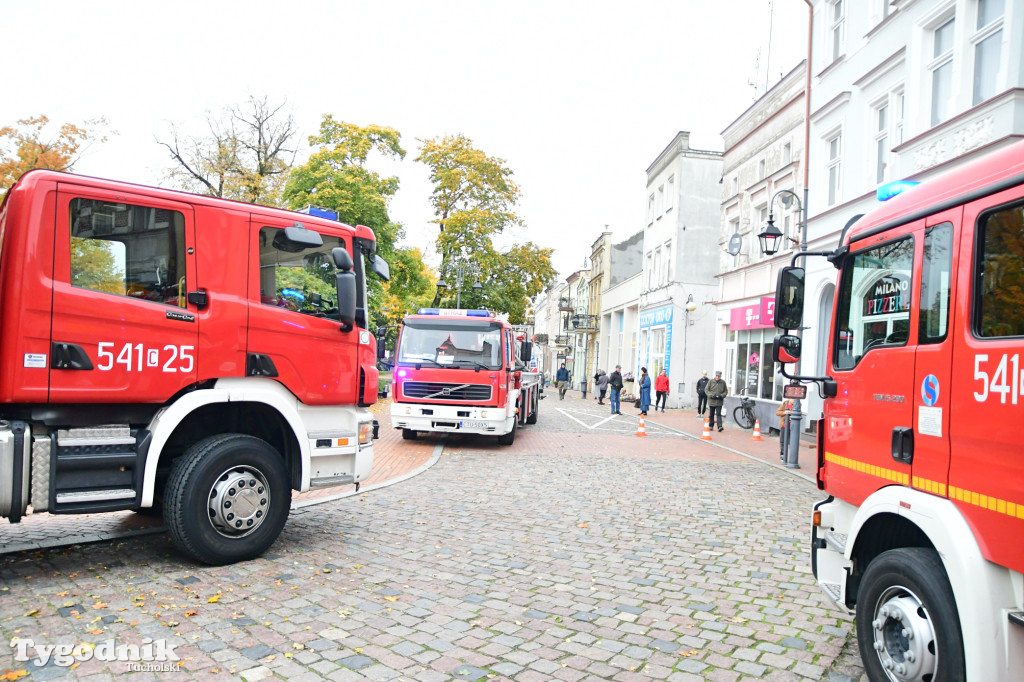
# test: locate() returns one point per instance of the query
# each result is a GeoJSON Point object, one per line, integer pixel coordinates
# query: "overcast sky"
{"type": "Point", "coordinates": [578, 97]}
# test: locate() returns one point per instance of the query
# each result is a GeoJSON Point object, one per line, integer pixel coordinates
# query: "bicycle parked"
{"type": "Point", "coordinates": [744, 413]}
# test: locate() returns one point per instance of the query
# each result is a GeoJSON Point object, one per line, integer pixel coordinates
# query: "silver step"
{"type": "Point", "coordinates": [95, 495]}
{"type": "Point", "coordinates": [832, 590]}
{"type": "Point", "coordinates": [836, 541]}
{"type": "Point", "coordinates": [111, 434]}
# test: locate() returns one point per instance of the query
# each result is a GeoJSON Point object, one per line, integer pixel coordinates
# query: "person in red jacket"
{"type": "Point", "coordinates": [661, 390]}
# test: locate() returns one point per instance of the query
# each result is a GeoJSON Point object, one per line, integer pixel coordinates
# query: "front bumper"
{"type": "Point", "coordinates": [451, 418]}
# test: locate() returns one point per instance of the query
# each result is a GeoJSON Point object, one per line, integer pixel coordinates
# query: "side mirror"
{"type": "Point", "coordinates": [380, 349]}
{"type": "Point", "coordinates": [381, 268]}
{"type": "Point", "coordinates": [345, 281]}
{"type": "Point", "coordinates": [789, 299]}
{"type": "Point", "coordinates": [526, 351]}
{"type": "Point", "coordinates": [786, 348]}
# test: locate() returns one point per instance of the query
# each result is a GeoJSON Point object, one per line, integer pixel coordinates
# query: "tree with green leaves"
{"type": "Point", "coordinates": [338, 177]}
{"type": "Point", "coordinates": [474, 200]}
{"type": "Point", "coordinates": [246, 156]}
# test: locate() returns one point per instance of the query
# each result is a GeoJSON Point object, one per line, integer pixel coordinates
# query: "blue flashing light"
{"type": "Point", "coordinates": [428, 311]}
{"type": "Point", "coordinates": [478, 313]}
{"type": "Point", "coordinates": [319, 212]}
{"type": "Point", "coordinates": [293, 293]}
{"type": "Point", "coordinates": [891, 189]}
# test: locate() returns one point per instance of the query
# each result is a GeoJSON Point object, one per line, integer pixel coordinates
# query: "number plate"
{"type": "Point", "coordinates": [474, 425]}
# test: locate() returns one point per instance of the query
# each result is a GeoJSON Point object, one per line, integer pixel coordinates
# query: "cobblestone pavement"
{"type": "Point", "coordinates": [575, 554]}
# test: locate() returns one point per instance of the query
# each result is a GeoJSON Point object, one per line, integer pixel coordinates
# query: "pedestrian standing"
{"type": "Point", "coordinates": [562, 379]}
{"type": "Point", "coordinates": [661, 391]}
{"type": "Point", "coordinates": [716, 390]}
{"type": "Point", "coordinates": [615, 383]}
{"type": "Point", "coordinates": [785, 409]}
{"type": "Point", "coordinates": [645, 391]}
{"type": "Point", "coordinates": [702, 397]}
{"type": "Point", "coordinates": [601, 384]}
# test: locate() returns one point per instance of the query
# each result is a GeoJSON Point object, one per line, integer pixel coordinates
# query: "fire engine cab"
{"type": "Point", "coordinates": [462, 371]}
{"type": "Point", "coordinates": [919, 447]}
{"type": "Point", "coordinates": [197, 355]}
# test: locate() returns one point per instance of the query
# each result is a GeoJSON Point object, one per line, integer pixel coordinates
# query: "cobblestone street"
{"type": "Point", "coordinates": [580, 553]}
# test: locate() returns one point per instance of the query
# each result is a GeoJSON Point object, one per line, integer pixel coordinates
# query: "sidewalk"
{"type": "Point", "coordinates": [393, 460]}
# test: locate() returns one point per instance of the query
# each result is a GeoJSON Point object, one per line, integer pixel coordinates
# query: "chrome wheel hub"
{"type": "Point", "coordinates": [239, 500]}
{"type": "Point", "coordinates": [903, 637]}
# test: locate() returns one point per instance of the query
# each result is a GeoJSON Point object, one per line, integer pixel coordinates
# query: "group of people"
{"type": "Point", "coordinates": [711, 393]}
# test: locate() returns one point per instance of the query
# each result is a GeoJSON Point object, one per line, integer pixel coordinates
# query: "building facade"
{"type": "Point", "coordinates": [620, 304]}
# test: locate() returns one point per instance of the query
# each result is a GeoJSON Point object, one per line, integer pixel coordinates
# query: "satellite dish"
{"type": "Point", "coordinates": [735, 244]}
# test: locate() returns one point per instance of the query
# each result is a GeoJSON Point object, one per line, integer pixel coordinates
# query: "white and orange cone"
{"type": "Point", "coordinates": [641, 430]}
{"type": "Point", "coordinates": [707, 432]}
{"type": "Point", "coordinates": [757, 430]}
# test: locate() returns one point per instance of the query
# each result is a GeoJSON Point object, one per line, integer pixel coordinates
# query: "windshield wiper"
{"type": "Point", "coordinates": [478, 364]}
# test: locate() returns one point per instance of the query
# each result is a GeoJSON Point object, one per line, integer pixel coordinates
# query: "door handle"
{"type": "Point", "coordinates": [198, 298]}
{"type": "Point", "coordinates": [903, 444]}
{"type": "Point", "coordinates": [68, 356]}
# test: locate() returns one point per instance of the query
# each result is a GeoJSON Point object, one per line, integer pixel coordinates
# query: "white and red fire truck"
{"type": "Point", "coordinates": [462, 371]}
{"type": "Point", "coordinates": [163, 348]}
{"type": "Point", "coordinates": [919, 448]}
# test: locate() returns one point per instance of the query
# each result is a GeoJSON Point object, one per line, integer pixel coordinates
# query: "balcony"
{"type": "Point", "coordinates": [565, 303]}
{"type": "Point", "coordinates": [562, 340]}
{"type": "Point", "coordinates": [541, 339]}
{"type": "Point", "coordinates": [585, 323]}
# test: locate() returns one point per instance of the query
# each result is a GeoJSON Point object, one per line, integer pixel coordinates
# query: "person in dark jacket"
{"type": "Point", "coordinates": [601, 386]}
{"type": "Point", "coordinates": [716, 390]}
{"type": "Point", "coordinates": [562, 379]}
{"type": "Point", "coordinates": [702, 397]}
{"type": "Point", "coordinates": [615, 383]}
{"type": "Point", "coordinates": [645, 391]}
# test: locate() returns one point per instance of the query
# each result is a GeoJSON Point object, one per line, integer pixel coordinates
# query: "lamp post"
{"type": "Point", "coordinates": [770, 238]}
{"type": "Point", "coordinates": [461, 270]}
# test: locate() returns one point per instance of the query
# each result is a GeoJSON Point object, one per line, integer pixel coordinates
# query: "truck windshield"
{"type": "Point", "coordinates": [450, 345]}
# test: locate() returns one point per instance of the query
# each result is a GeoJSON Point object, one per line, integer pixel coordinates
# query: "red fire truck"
{"type": "Point", "coordinates": [462, 371]}
{"type": "Point", "coordinates": [162, 348]}
{"type": "Point", "coordinates": [919, 451]}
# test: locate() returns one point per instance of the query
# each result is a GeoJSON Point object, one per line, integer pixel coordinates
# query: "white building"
{"type": "Point", "coordinates": [620, 304]}
{"type": "Point", "coordinates": [763, 159]}
{"type": "Point", "coordinates": [900, 90]}
{"type": "Point", "coordinates": [680, 265]}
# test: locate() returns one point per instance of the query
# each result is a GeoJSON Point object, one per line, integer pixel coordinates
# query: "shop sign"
{"type": "Point", "coordinates": [760, 315]}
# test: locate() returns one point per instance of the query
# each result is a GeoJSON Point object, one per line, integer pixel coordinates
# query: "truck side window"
{"type": "Point", "coordinates": [999, 274]}
{"type": "Point", "coordinates": [128, 250]}
{"type": "Point", "coordinates": [874, 301]}
{"type": "Point", "coordinates": [302, 281]}
{"type": "Point", "coordinates": [936, 274]}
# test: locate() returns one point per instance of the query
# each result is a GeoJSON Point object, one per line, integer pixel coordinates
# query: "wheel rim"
{"type": "Point", "coordinates": [903, 636]}
{"type": "Point", "coordinates": [239, 500]}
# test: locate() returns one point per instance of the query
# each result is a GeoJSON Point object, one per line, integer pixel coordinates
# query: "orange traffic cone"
{"type": "Point", "coordinates": [641, 429]}
{"type": "Point", "coordinates": [707, 432]}
{"type": "Point", "coordinates": [757, 430]}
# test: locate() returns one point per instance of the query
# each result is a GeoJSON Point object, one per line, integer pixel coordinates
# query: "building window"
{"type": "Point", "coordinates": [897, 120]}
{"type": "Point", "coordinates": [837, 16]}
{"type": "Point", "coordinates": [760, 221]}
{"type": "Point", "coordinates": [941, 67]}
{"type": "Point", "coordinates": [761, 169]}
{"type": "Point", "coordinates": [650, 209]}
{"type": "Point", "coordinates": [834, 167]}
{"type": "Point", "coordinates": [883, 9]}
{"type": "Point", "coordinates": [670, 193]}
{"type": "Point", "coordinates": [656, 275]}
{"type": "Point", "coordinates": [735, 185]}
{"type": "Point", "coordinates": [987, 43]}
{"type": "Point", "coordinates": [667, 269]}
{"type": "Point", "coordinates": [656, 362]}
{"type": "Point", "coordinates": [787, 154]}
{"type": "Point", "coordinates": [787, 228]}
{"type": "Point", "coordinates": [650, 270]}
{"type": "Point", "coordinates": [881, 120]}
{"type": "Point", "coordinates": [659, 208]}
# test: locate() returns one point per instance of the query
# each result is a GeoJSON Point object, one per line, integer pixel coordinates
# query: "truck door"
{"type": "Point", "coordinates": [986, 472]}
{"type": "Point", "coordinates": [928, 446]}
{"type": "Point", "coordinates": [294, 328]}
{"type": "Point", "coordinates": [873, 363]}
{"type": "Point", "coordinates": [123, 329]}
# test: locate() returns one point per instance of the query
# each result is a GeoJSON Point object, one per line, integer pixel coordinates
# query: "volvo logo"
{"type": "Point", "coordinates": [446, 391]}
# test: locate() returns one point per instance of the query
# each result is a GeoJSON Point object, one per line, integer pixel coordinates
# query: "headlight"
{"type": "Point", "coordinates": [365, 432]}
{"type": "Point", "coordinates": [483, 414]}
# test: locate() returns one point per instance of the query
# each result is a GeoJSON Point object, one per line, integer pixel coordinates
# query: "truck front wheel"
{"type": "Point", "coordinates": [908, 627]}
{"type": "Point", "coordinates": [227, 499]}
{"type": "Point", "coordinates": [510, 437]}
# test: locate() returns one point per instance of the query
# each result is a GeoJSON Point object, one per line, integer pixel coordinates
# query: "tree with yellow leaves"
{"type": "Point", "coordinates": [31, 145]}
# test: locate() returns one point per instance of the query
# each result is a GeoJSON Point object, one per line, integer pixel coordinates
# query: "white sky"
{"type": "Point", "coordinates": [578, 97]}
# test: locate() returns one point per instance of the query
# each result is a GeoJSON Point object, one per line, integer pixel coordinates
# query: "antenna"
{"type": "Point", "coordinates": [768, 62]}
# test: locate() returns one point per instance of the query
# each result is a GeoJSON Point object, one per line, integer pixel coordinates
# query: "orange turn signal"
{"type": "Point", "coordinates": [816, 519]}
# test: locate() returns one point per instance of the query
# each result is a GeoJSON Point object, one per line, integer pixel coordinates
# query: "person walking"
{"type": "Point", "coordinates": [661, 391]}
{"type": "Point", "coordinates": [645, 391]}
{"type": "Point", "coordinates": [562, 379]}
{"type": "Point", "coordinates": [615, 383]}
{"type": "Point", "coordinates": [702, 397]}
{"type": "Point", "coordinates": [716, 390]}
{"type": "Point", "coordinates": [601, 386]}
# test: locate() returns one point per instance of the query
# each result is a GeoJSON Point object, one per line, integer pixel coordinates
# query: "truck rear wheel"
{"type": "Point", "coordinates": [510, 437]}
{"type": "Point", "coordinates": [534, 404]}
{"type": "Point", "coordinates": [227, 499]}
{"type": "Point", "coordinates": [409, 434]}
{"type": "Point", "coordinates": [908, 627]}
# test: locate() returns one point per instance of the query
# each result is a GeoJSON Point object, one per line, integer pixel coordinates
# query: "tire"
{"type": "Point", "coordinates": [901, 587]}
{"type": "Point", "coordinates": [409, 434]}
{"type": "Point", "coordinates": [509, 437]}
{"type": "Point", "coordinates": [743, 418]}
{"type": "Point", "coordinates": [210, 477]}
{"type": "Point", "coordinates": [532, 419]}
